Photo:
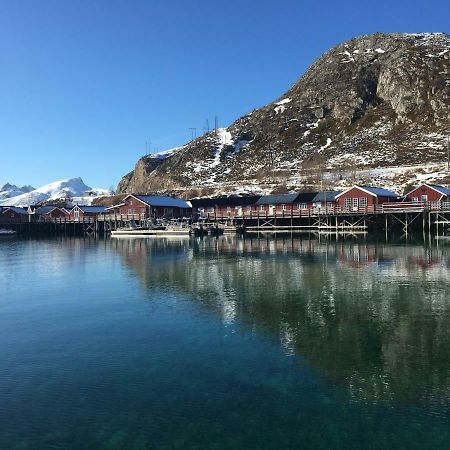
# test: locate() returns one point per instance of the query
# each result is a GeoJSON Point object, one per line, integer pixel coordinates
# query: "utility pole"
{"type": "Point", "coordinates": [216, 123]}
{"type": "Point", "coordinates": [448, 153]}
{"type": "Point", "coordinates": [193, 132]}
{"type": "Point", "coordinates": [207, 125]}
{"type": "Point", "coordinates": [148, 148]}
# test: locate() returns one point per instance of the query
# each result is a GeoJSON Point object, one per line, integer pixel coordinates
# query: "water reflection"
{"type": "Point", "coordinates": [373, 319]}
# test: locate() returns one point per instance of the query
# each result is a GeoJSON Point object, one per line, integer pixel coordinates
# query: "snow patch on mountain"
{"type": "Point", "coordinates": [11, 190]}
{"type": "Point", "coordinates": [74, 190]}
{"type": "Point", "coordinates": [165, 154]}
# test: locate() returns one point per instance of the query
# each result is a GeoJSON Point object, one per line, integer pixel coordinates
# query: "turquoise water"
{"type": "Point", "coordinates": [224, 344]}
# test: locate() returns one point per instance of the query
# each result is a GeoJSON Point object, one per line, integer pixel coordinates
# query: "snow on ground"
{"type": "Point", "coordinates": [71, 188]}
{"type": "Point", "coordinates": [223, 138]}
{"type": "Point", "coordinates": [165, 154]}
{"type": "Point", "coordinates": [280, 105]}
{"type": "Point", "coordinates": [220, 141]}
{"type": "Point", "coordinates": [329, 141]}
{"type": "Point", "coordinates": [11, 190]}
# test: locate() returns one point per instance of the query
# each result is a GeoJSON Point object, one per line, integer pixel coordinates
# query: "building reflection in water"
{"type": "Point", "coordinates": [371, 318]}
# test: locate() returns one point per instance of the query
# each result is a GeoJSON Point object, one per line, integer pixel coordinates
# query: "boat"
{"type": "Point", "coordinates": [7, 232]}
{"type": "Point", "coordinates": [170, 230]}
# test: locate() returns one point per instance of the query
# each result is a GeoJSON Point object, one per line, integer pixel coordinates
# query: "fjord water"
{"type": "Point", "coordinates": [224, 343]}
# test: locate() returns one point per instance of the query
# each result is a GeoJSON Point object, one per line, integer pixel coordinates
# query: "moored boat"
{"type": "Point", "coordinates": [152, 232]}
{"type": "Point", "coordinates": [7, 232]}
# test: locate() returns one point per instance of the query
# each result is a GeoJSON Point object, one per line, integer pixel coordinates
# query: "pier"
{"type": "Point", "coordinates": [431, 218]}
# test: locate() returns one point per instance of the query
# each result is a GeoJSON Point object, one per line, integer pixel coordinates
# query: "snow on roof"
{"type": "Point", "coordinates": [154, 200]}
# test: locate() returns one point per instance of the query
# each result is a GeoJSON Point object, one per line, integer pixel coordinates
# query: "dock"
{"type": "Point", "coordinates": [404, 218]}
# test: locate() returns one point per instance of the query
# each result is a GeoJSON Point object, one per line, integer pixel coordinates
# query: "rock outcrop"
{"type": "Point", "coordinates": [374, 101]}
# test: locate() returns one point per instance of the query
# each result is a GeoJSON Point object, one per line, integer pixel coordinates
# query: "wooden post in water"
{"type": "Point", "coordinates": [386, 225]}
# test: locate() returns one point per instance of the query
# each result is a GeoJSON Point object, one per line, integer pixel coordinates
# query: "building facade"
{"type": "Point", "coordinates": [359, 198]}
{"type": "Point", "coordinates": [142, 207]}
{"type": "Point", "coordinates": [427, 193]}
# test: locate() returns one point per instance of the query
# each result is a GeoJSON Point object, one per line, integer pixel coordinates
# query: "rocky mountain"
{"type": "Point", "coordinates": [11, 190]}
{"type": "Point", "coordinates": [375, 109]}
{"type": "Point", "coordinates": [71, 190]}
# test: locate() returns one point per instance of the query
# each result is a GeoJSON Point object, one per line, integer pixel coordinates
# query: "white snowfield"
{"type": "Point", "coordinates": [71, 188]}
{"type": "Point", "coordinates": [11, 190]}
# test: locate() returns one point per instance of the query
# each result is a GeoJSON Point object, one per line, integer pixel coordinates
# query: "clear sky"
{"type": "Point", "coordinates": [84, 84]}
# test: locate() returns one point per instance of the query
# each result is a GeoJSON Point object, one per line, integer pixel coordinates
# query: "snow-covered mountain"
{"type": "Point", "coordinates": [11, 190]}
{"type": "Point", "coordinates": [74, 190]}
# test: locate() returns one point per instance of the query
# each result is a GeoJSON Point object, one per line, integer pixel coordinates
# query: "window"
{"type": "Point", "coordinates": [415, 199]}
{"type": "Point", "coordinates": [424, 198]}
{"type": "Point", "coordinates": [302, 206]}
{"type": "Point", "coordinates": [329, 204]}
{"type": "Point", "coordinates": [347, 202]}
{"type": "Point", "coordinates": [129, 210]}
{"type": "Point", "coordinates": [228, 209]}
{"type": "Point", "coordinates": [355, 202]}
{"type": "Point", "coordinates": [249, 209]}
{"type": "Point", "coordinates": [261, 207]}
{"type": "Point", "coordinates": [283, 207]}
{"type": "Point", "coordinates": [363, 202]}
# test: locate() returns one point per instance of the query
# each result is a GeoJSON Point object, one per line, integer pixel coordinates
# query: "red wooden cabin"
{"type": "Point", "coordinates": [13, 214]}
{"type": "Point", "coordinates": [79, 213]}
{"type": "Point", "coordinates": [47, 213]}
{"type": "Point", "coordinates": [427, 193]}
{"type": "Point", "coordinates": [359, 198]}
{"type": "Point", "coordinates": [141, 207]}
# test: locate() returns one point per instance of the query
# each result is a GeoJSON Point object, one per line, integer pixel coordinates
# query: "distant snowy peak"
{"type": "Point", "coordinates": [63, 189]}
{"type": "Point", "coordinates": [11, 190]}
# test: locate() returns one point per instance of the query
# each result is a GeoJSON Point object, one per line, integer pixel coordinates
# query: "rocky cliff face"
{"type": "Point", "coordinates": [375, 101]}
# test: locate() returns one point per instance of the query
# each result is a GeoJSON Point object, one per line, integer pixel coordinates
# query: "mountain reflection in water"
{"type": "Point", "coordinates": [373, 319]}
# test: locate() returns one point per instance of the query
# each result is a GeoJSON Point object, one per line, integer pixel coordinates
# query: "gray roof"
{"type": "Point", "coordinates": [92, 208]}
{"type": "Point", "coordinates": [442, 189]}
{"type": "Point", "coordinates": [326, 196]}
{"type": "Point", "coordinates": [16, 209]}
{"type": "Point", "coordinates": [44, 209]}
{"type": "Point", "coordinates": [277, 199]}
{"type": "Point", "coordinates": [380, 192]}
{"type": "Point", "coordinates": [224, 201]}
{"type": "Point", "coordinates": [165, 201]}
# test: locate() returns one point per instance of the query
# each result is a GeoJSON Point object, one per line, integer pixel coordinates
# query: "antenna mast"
{"type": "Point", "coordinates": [448, 153]}
{"type": "Point", "coordinates": [193, 132]}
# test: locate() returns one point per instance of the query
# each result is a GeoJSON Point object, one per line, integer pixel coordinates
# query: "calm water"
{"type": "Point", "coordinates": [224, 344]}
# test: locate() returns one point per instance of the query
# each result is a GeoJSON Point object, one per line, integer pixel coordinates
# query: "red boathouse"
{"type": "Point", "coordinates": [365, 198]}
{"type": "Point", "coordinates": [427, 193]}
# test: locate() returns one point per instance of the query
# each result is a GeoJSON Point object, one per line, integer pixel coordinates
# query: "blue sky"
{"type": "Point", "coordinates": [84, 84]}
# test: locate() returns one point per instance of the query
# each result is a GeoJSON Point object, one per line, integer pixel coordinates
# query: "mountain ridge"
{"type": "Point", "coordinates": [372, 102]}
{"type": "Point", "coordinates": [70, 190]}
